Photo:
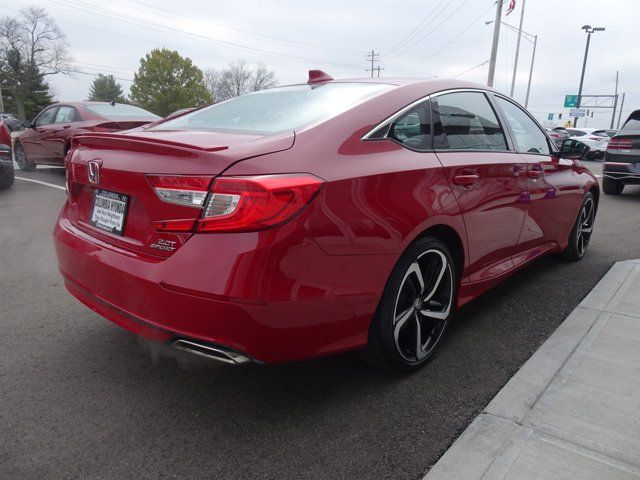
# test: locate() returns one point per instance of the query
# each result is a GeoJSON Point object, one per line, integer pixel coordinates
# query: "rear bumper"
{"type": "Point", "coordinates": [273, 296]}
{"type": "Point", "coordinates": [626, 171]}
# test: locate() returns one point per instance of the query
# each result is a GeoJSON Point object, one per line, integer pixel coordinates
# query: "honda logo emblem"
{"type": "Point", "coordinates": [93, 172]}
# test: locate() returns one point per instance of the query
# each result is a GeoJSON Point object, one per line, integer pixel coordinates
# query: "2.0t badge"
{"type": "Point", "coordinates": [165, 245]}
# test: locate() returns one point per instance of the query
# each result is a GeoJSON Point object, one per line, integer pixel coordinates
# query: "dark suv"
{"type": "Point", "coordinates": [622, 157]}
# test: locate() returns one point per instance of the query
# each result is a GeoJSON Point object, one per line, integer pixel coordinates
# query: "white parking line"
{"type": "Point", "coordinates": [41, 183]}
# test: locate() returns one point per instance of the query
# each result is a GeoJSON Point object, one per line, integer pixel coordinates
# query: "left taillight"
{"type": "Point", "coordinates": [236, 204]}
{"type": "Point", "coordinates": [241, 204]}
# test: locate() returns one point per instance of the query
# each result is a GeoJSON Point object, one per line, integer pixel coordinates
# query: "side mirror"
{"type": "Point", "coordinates": [27, 124]}
{"type": "Point", "coordinates": [574, 150]}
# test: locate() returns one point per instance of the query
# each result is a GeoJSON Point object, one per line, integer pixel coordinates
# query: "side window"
{"type": "Point", "coordinates": [66, 114]}
{"type": "Point", "coordinates": [466, 121]}
{"type": "Point", "coordinates": [528, 136]}
{"type": "Point", "coordinates": [413, 129]}
{"type": "Point", "coordinates": [46, 117]}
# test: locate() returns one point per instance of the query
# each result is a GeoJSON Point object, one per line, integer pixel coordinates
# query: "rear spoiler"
{"type": "Point", "coordinates": [104, 139]}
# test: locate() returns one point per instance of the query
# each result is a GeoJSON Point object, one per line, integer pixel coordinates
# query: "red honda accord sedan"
{"type": "Point", "coordinates": [318, 218]}
{"type": "Point", "coordinates": [48, 138]}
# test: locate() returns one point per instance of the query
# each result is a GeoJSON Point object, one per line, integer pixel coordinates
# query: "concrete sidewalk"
{"type": "Point", "coordinates": [573, 410]}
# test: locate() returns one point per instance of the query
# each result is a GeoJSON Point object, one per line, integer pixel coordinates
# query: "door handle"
{"type": "Point", "coordinates": [466, 181]}
{"type": "Point", "coordinates": [535, 173]}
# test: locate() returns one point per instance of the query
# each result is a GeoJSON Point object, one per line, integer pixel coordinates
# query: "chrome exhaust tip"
{"type": "Point", "coordinates": [212, 352]}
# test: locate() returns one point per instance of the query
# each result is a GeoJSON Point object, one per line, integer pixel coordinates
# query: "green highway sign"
{"type": "Point", "coordinates": [570, 101]}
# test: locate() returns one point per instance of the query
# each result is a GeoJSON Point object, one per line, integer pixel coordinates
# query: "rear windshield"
{"type": "Point", "coordinates": [633, 123]}
{"type": "Point", "coordinates": [278, 109]}
{"type": "Point", "coordinates": [119, 111]}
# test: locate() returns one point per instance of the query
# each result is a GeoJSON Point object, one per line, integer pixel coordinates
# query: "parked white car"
{"type": "Point", "coordinates": [596, 139]}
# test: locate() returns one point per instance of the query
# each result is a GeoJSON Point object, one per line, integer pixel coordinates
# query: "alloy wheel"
{"type": "Point", "coordinates": [585, 226]}
{"type": "Point", "coordinates": [423, 305]}
{"type": "Point", "coordinates": [21, 157]}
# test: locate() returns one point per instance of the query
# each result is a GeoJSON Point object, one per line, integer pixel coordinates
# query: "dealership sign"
{"type": "Point", "coordinates": [578, 112]}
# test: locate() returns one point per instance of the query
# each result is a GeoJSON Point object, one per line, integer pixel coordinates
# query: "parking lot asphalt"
{"type": "Point", "coordinates": [82, 398]}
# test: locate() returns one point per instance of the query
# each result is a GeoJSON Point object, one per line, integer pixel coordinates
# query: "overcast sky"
{"type": "Point", "coordinates": [448, 38]}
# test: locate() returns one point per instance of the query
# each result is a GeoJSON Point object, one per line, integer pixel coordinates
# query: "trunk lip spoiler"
{"type": "Point", "coordinates": [78, 140]}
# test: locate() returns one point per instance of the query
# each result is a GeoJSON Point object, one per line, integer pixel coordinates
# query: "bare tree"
{"type": "Point", "coordinates": [237, 79]}
{"type": "Point", "coordinates": [32, 46]}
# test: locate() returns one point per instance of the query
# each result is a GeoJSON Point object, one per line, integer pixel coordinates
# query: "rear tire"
{"type": "Point", "coordinates": [22, 160]}
{"type": "Point", "coordinates": [6, 176]}
{"type": "Point", "coordinates": [416, 306]}
{"type": "Point", "coordinates": [611, 186]}
{"type": "Point", "coordinates": [582, 230]}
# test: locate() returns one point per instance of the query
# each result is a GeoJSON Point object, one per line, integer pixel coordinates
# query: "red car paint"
{"type": "Point", "coordinates": [310, 285]}
{"type": "Point", "coordinates": [48, 143]}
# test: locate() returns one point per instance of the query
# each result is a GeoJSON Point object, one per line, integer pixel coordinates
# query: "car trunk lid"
{"type": "Point", "coordinates": [124, 187]}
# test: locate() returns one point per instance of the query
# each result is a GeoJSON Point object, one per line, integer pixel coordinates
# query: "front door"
{"type": "Point", "coordinates": [487, 178]}
{"type": "Point", "coordinates": [552, 189]}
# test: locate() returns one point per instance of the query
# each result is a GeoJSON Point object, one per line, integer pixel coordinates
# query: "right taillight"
{"type": "Point", "coordinates": [619, 144]}
{"type": "Point", "coordinates": [240, 204]}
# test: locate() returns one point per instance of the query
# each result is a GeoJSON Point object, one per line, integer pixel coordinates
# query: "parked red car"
{"type": "Point", "coordinates": [48, 138]}
{"type": "Point", "coordinates": [312, 219]}
{"type": "Point", "coordinates": [6, 162]}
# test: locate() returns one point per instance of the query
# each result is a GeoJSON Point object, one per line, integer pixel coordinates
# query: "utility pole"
{"type": "Point", "coordinates": [620, 112]}
{"type": "Point", "coordinates": [588, 30]}
{"type": "Point", "coordinates": [615, 102]}
{"type": "Point", "coordinates": [533, 57]}
{"type": "Point", "coordinates": [494, 43]}
{"type": "Point", "coordinates": [377, 69]}
{"type": "Point", "coordinates": [515, 62]}
{"type": "Point", "coordinates": [373, 58]}
{"type": "Point", "coordinates": [1, 101]}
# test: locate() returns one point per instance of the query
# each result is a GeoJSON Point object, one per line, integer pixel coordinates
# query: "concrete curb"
{"type": "Point", "coordinates": [573, 410]}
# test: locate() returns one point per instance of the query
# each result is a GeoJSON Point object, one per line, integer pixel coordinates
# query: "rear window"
{"type": "Point", "coordinates": [600, 133]}
{"type": "Point", "coordinates": [633, 123]}
{"type": "Point", "coordinates": [120, 111]}
{"type": "Point", "coordinates": [278, 109]}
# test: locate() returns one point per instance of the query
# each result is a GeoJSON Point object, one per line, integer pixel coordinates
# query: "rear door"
{"type": "Point", "coordinates": [487, 178]}
{"type": "Point", "coordinates": [553, 192]}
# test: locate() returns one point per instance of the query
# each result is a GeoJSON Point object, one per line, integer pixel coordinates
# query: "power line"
{"type": "Point", "coordinates": [78, 5]}
{"type": "Point", "coordinates": [415, 30]}
{"type": "Point", "coordinates": [172, 14]}
{"type": "Point", "coordinates": [472, 68]}
{"type": "Point", "coordinates": [462, 32]}
{"type": "Point", "coordinates": [430, 32]}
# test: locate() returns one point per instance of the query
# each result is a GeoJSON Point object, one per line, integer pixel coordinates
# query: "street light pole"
{"type": "Point", "coordinates": [494, 44]}
{"type": "Point", "coordinates": [588, 30]}
{"type": "Point", "coordinates": [533, 57]}
{"type": "Point", "coordinates": [515, 62]}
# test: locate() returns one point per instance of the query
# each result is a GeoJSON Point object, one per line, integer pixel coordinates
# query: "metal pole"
{"type": "Point", "coordinates": [515, 62]}
{"type": "Point", "coordinates": [584, 66]}
{"type": "Point", "coordinates": [494, 44]}
{"type": "Point", "coordinates": [615, 103]}
{"type": "Point", "coordinates": [620, 112]}
{"type": "Point", "coordinates": [533, 57]}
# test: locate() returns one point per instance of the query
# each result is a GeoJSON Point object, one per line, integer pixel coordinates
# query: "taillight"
{"type": "Point", "coordinates": [240, 204]}
{"type": "Point", "coordinates": [181, 190]}
{"type": "Point", "coordinates": [619, 144]}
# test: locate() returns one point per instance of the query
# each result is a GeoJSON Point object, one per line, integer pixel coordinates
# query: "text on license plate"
{"type": "Point", "coordinates": [109, 211]}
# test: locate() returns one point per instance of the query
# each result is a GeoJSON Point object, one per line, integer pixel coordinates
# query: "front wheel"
{"type": "Point", "coordinates": [611, 186]}
{"type": "Point", "coordinates": [415, 309]}
{"type": "Point", "coordinates": [21, 158]}
{"type": "Point", "coordinates": [582, 230]}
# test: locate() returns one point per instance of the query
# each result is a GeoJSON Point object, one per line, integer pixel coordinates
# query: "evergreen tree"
{"type": "Point", "coordinates": [105, 89]}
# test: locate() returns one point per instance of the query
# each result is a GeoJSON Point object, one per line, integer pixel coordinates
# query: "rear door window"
{"type": "Point", "coordinates": [466, 121]}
